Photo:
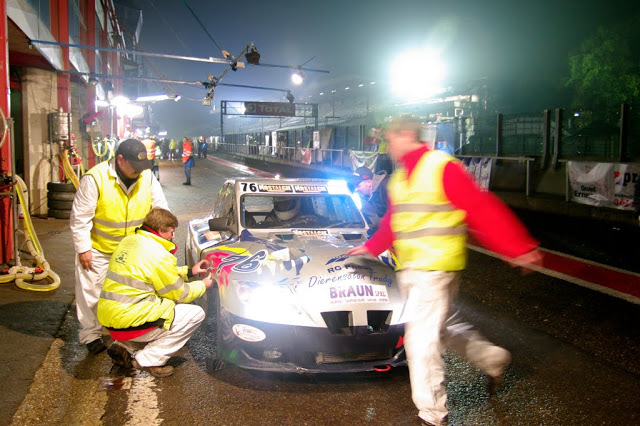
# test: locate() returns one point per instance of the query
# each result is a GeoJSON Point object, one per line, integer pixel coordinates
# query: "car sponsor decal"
{"type": "Point", "coordinates": [264, 187]}
{"type": "Point", "coordinates": [310, 232]}
{"type": "Point", "coordinates": [337, 268]}
{"type": "Point", "coordinates": [314, 189]}
{"type": "Point", "coordinates": [357, 293]}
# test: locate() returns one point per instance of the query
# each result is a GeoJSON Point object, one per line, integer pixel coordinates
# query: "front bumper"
{"type": "Point", "coordinates": [288, 348]}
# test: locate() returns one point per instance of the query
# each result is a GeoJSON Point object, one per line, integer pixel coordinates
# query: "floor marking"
{"type": "Point", "coordinates": [142, 404]}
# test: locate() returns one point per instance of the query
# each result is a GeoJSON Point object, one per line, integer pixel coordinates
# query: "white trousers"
{"type": "Point", "coordinates": [433, 326]}
{"type": "Point", "coordinates": [162, 343]}
{"type": "Point", "coordinates": [88, 287]}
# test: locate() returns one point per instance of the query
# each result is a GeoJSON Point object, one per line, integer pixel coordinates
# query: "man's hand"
{"type": "Point", "coordinates": [208, 282]}
{"type": "Point", "coordinates": [85, 260]}
{"type": "Point", "coordinates": [358, 250]}
{"type": "Point", "coordinates": [200, 267]}
{"type": "Point", "coordinates": [528, 261]}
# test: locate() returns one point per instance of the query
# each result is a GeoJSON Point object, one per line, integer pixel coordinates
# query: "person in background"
{"type": "Point", "coordinates": [111, 202]}
{"type": "Point", "coordinates": [187, 159]}
{"type": "Point", "coordinates": [434, 202]}
{"type": "Point", "coordinates": [146, 297]}
{"type": "Point", "coordinates": [372, 189]}
{"type": "Point", "coordinates": [203, 143]}
{"type": "Point", "coordinates": [173, 149]}
{"type": "Point", "coordinates": [152, 154]}
{"type": "Point", "coordinates": [199, 146]}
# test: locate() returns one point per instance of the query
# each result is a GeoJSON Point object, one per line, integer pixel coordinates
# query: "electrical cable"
{"type": "Point", "coordinates": [5, 127]}
{"type": "Point", "coordinates": [202, 25]}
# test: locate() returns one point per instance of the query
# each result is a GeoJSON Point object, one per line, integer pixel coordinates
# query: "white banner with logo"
{"type": "Point", "coordinates": [603, 184]}
{"type": "Point", "coordinates": [480, 168]}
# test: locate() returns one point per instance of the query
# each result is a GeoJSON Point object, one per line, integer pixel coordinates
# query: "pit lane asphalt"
{"type": "Point", "coordinates": [575, 354]}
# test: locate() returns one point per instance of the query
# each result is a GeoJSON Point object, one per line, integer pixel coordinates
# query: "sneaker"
{"type": "Point", "coordinates": [96, 346]}
{"type": "Point", "coordinates": [120, 355]}
{"type": "Point", "coordinates": [186, 183]}
{"type": "Point", "coordinates": [161, 371]}
{"type": "Point", "coordinates": [496, 373]}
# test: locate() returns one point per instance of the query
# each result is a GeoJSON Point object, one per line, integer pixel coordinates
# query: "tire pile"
{"type": "Point", "coordinates": [59, 199]}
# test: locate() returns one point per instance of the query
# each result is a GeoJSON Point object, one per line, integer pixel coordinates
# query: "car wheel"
{"type": "Point", "coordinates": [214, 324]}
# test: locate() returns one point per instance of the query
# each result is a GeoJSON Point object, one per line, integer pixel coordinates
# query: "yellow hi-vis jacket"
{"type": "Point", "coordinates": [144, 283]}
{"type": "Point", "coordinates": [119, 211]}
{"type": "Point", "coordinates": [429, 232]}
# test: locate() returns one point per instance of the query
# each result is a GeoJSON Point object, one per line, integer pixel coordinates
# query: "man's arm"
{"type": "Point", "coordinates": [83, 210]}
{"type": "Point", "coordinates": [489, 219]}
{"type": "Point", "coordinates": [157, 194]}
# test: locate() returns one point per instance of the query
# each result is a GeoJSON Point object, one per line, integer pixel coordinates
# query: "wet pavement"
{"type": "Point", "coordinates": [575, 350]}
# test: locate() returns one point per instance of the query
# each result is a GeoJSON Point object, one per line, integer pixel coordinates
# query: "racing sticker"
{"type": "Point", "coordinates": [224, 263]}
{"type": "Point", "coordinates": [263, 187]}
{"type": "Point", "coordinates": [357, 293]}
{"type": "Point", "coordinates": [314, 189]}
{"type": "Point", "coordinates": [310, 232]}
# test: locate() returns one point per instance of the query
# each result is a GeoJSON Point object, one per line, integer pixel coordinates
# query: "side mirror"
{"type": "Point", "coordinates": [220, 224]}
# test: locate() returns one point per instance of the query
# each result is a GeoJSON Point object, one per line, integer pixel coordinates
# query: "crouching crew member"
{"type": "Point", "coordinates": [145, 297]}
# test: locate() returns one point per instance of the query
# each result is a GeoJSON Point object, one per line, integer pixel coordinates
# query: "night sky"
{"type": "Point", "coordinates": [523, 41]}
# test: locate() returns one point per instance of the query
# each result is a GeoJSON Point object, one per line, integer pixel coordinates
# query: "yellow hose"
{"type": "Point", "coordinates": [68, 169]}
{"type": "Point", "coordinates": [20, 273]}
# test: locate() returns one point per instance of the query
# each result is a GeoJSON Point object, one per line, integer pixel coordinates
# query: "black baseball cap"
{"type": "Point", "coordinates": [135, 153]}
{"type": "Point", "coordinates": [360, 174]}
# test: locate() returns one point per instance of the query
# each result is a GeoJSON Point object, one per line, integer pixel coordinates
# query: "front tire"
{"type": "Point", "coordinates": [214, 324]}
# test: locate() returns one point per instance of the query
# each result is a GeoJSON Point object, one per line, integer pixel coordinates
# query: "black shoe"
{"type": "Point", "coordinates": [186, 183]}
{"type": "Point", "coordinates": [96, 347]}
{"type": "Point", "coordinates": [120, 355]}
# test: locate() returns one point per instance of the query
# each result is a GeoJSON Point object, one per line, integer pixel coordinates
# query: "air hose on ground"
{"type": "Point", "coordinates": [22, 274]}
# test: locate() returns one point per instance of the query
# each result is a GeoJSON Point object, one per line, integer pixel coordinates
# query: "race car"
{"type": "Point", "coordinates": [286, 298]}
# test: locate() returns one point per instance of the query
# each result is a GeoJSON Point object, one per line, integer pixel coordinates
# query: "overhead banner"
{"type": "Point", "coordinates": [603, 184]}
{"type": "Point", "coordinates": [277, 109]}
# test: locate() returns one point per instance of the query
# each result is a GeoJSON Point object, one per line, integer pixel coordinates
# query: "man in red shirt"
{"type": "Point", "coordinates": [433, 203]}
{"type": "Point", "coordinates": [187, 159]}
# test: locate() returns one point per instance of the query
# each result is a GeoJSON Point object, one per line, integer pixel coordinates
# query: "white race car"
{"type": "Point", "coordinates": [286, 298]}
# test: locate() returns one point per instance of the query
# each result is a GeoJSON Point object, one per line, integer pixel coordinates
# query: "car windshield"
{"type": "Point", "coordinates": [300, 211]}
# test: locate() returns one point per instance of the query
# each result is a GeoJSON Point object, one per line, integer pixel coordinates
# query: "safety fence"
{"type": "Point", "coordinates": [310, 156]}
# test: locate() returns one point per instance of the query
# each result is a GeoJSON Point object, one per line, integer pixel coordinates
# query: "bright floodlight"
{"type": "Point", "coordinates": [417, 75]}
{"type": "Point", "coordinates": [297, 78]}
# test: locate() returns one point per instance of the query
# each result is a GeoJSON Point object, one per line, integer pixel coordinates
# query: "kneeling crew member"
{"type": "Point", "coordinates": [145, 297]}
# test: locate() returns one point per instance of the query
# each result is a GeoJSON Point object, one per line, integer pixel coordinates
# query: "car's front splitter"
{"type": "Point", "coordinates": [287, 348]}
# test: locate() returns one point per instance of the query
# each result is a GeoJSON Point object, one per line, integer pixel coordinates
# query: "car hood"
{"type": "Point", "coordinates": [292, 279]}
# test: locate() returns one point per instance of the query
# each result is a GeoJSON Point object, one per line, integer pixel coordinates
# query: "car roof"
{"type": "Point", "coordinates": [263, 185]}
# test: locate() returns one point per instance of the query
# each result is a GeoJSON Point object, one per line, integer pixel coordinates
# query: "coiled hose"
{"type": "Point", "coordinates": [22, 274]}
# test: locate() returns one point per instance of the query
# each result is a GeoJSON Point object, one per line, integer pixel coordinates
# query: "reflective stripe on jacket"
{"type": "Point", "coordinates": [429, 232]}
{"type": "Point", "coordinates": [119, 211]}
{"type": "Point", "coordinates": [144, 283]}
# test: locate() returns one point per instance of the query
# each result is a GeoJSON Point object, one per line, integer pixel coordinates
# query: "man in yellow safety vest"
{"type": "Point", "coordinates": [111, 202]}
{"type": "Point", "coordinates": [433, 202]}
{"type": "Point", "coordinates": [146, 298]}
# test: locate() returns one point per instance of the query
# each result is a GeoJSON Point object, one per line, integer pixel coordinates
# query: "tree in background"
{"type": "Point", "coordinates": [605, 71]}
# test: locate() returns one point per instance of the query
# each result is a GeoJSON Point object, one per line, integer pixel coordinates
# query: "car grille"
{"type": "Point", "coordinates": [341, 322]}
{"type": "Point", "coordinates": [335, 358]}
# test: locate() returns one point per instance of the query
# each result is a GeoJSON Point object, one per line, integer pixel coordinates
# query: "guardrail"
{"type": "Point", "coordinates": [310, 156]}
{"type": "Point", "coordinates": [528, 160]}
{"type": "Point", "coordinates": [334, 157]}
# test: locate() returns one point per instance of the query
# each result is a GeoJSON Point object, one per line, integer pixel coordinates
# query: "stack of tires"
{"type": "Point", "coordinates": [59, 199]}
